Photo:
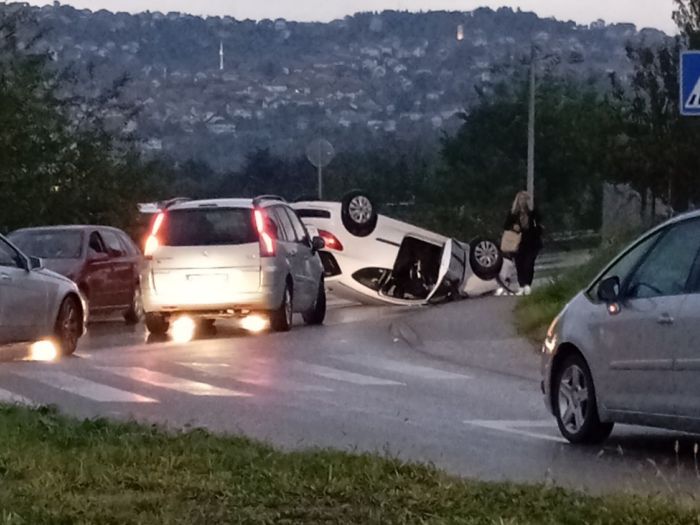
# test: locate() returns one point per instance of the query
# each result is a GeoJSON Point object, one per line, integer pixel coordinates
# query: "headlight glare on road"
{"type": "Point", "coordinates": [183, 329]}
{"type": "Point", "coordinates": [43, 351]}
{"type": "Point", "coordinates": [254, 323]}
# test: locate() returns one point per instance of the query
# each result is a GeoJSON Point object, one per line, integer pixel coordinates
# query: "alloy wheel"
{"type": "Point", "coordinates": [486, 253]}
{"type": "Point", "coordinates": [288, 308]}
{"type": "Point", "coordinates": [573, 399]}
{"type": "Point", "coordinates": [69, 326]}
{"type": "Point", "coordinates": [360, 209]}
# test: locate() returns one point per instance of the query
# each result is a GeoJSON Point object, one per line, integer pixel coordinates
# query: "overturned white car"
{"type": "Point", "coordinates": [371, 258]}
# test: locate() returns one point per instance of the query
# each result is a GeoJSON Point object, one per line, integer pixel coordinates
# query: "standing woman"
{"type": "Point", "coordinates": [524, 219]}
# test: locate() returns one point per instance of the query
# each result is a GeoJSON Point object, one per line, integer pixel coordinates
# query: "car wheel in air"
{"type": "Point", "coordinates": [485, 258]}
{"type": "Point", "coordinates": [317, 314]}
{"type": "Point", "coordinates": [575, 405]}
{"type": "Point", "coordinates": [359, 214]}
{"type": "Point", "coordinates": [157, 324]}
{"type": "Point", "coordinates": [135, 313]}
{"type": "Point", "coordinates": [281, 319]}
{"type": "Point", "coordinates": [68, 326]}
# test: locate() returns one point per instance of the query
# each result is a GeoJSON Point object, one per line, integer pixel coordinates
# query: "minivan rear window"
{"type": "Point", "coordinates": [208, 227]}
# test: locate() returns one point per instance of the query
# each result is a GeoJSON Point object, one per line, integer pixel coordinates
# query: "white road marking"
{"type": "Point", "coordinates": [348, 377]}
{"type": "Point", "coordinates": [178, 384]}
{"type": "Point", "coordinates": [400, 367]}
{"type": "Point", "coordinates": [519, 427]}
{"type": "Point", "coordinates": [85, 388]}
{"type": "Point", "coordinates": [255, 377]}
{"type": "Point", "coordinates": [10, 397]}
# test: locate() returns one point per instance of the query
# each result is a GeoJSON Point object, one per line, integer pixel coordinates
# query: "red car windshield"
{"type": "Point", "coordinates": [49, 244]}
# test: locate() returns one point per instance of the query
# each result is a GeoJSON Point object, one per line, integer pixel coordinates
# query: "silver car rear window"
{"type": "Point", "coordinates": [208, 227]}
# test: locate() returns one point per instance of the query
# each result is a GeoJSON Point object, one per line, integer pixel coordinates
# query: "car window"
{"type": "Point", "coordinates": [49, 244]}
{"type": "Point", "coordinates": [313, 214]}
{"type": "Point", "coordinates": [113, 243]}
{"type": "Point", "coordinates": [283, 222]}
{"type": "Point", "coordinates": [208, 227]}
{"type": "Point", "coordinates": [8, 256]}
{"type": "Point", "coordinates": [626, 263]}
{"type": "Point", "coordinates": [129, 246]}
{"type": "Point", "coordinates": [299, 230]}
{"type": "Point", "coordinates": [665, 271]}
{"type": "Point", "coordinates": [96, 244]}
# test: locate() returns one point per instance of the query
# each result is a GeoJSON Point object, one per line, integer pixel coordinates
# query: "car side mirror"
{"type": "Point", "coordinates": [609, 290]}
{"type": "Point", "coordinates": [318, 244]}
{"type": "Point", "coordinates": [35, 263]}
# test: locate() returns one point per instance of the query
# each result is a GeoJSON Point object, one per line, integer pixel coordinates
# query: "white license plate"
{"type": "Point", "coordinates": [208, 278]}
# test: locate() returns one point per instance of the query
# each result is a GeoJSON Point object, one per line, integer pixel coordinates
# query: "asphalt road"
{"type": "Point", "coordinates": [449, 385]}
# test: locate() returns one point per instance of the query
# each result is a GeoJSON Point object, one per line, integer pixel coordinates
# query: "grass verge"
{"type": "Point", "coordinates": [55, 470]}
{"type": "Point", "coordinates": [535, 312]}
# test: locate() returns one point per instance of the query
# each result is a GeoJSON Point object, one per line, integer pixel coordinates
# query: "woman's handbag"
{"type": "Point", "coordinates": [510, 242]}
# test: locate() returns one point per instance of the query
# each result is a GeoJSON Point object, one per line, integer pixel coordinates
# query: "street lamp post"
{"type": "Point", "coordinates": [553, 59]}
{"type": "Point", "coordinates": [531, 131]}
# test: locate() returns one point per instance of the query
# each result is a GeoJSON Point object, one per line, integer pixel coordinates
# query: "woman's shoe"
{"type": "Point", "coordinates": [527, 290]}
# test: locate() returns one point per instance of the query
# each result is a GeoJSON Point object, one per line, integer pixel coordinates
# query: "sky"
{"type": "Point", "coordinates": [643, 13]}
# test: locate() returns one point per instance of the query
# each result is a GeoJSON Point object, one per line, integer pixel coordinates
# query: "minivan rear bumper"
{"type": "Point", "coordinates": [173, 301]}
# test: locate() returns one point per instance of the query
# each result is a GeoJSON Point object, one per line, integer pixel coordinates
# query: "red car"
{"type": "Point", "coordinates": [103, 261]}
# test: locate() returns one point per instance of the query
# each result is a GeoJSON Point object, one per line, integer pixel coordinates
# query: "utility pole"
{"type": "Point", "coordinates": [531, 131]}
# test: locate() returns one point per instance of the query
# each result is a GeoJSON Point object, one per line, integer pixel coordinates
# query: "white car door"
{"type": "Point", "coordinates": [24, 297]}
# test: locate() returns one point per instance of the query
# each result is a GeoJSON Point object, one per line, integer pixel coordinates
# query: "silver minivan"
{"type": "Point", "coordinates": [231, 258]}
{"type": "Point", "coordinates": [627, 348]}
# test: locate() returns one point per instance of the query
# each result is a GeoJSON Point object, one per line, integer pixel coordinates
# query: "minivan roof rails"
{"type": "Point", "coordinates": [260, 198]}
{"type": "Point", "coordinates": [164, 205]}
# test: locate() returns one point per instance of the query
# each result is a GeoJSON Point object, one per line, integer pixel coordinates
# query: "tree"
{"type": "Point", "coordinates": [484, 164]}
{"type": "Point", "coordinates": [687, 18]}
{"type": "Point", "coordinates": [59, 165]}
{"type": "Point", "coordinates": [656, 152]}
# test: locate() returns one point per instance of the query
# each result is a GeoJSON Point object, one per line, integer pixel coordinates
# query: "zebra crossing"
{"type": "Point", "coordinates": [141, 385]}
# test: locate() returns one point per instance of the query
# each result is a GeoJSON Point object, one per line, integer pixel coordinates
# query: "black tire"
{"type": "Point", "coordinates": [485, 258]}
{"type": "Point", "coordinates": [573, 393]}
{"type": "Point", "coordinates": [135, 314]}
{"type": "Point", "coordinates": [281, 319]}
{"type": "Point", "coordinates": [359, 213]}
{"type": "Point", "coordinates": [317, 314]}
{"type": "Point", "coordinates": [157, 324]}
{"type": "Point", "coordinates": [69, 326]}
{"type": "Point", "coordinates": [206, 326]}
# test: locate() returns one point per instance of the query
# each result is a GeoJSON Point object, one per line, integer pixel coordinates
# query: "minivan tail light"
{"type": "Point", "coordinates": [152, 243]}
{"type": "Point", "coordinates": [332, 242]}
{"type": "Point", "coordinates": [267, 239]}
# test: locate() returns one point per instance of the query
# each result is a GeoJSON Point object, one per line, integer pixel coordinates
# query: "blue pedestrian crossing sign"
{"type": "Point", "coordinates": [690, 83]}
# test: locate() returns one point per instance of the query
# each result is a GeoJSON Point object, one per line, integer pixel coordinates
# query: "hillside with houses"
{"type": "Point", "coordinates": [215, 88]}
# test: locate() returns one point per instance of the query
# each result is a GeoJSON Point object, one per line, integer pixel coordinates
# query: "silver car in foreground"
{"type": "Point", "coordinates": [231, 258]}
{"type": "Point", "coordinates": [627, 349]}
{"type": "Point", "coordinates": [37, 304]}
